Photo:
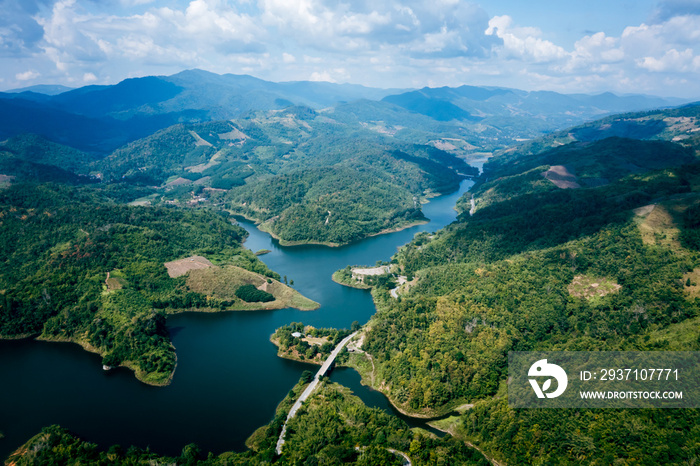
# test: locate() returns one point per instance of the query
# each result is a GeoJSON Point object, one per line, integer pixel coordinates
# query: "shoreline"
{"type": "Point", "coordinates": [400, 228]}
{"type": "Point", "coordinates": [358, 286]}
{"type": "Point", "coordinates": [23, 336]}
{"type": "Point", "coordinates": [126, 364]}
{"type": "Point", "coordinates": [291, 357]}
{"type": "Point", "coordinates": [264, 227]}
{"type": "Point", "coordinates": [212, 310]}
{"type": "Point", "coordinates": [434, 416]}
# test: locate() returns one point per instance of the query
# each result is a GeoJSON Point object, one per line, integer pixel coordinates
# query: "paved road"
{"type": "Point", "coordinates": [312, 386]}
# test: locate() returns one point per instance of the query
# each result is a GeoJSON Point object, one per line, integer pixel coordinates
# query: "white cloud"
{"type": "Point", "coordinates": [379, 42]}
{"type": "Point", "coordinates": [27, 75]}
{"type": "Point", "coordinates": [523, 43]}
{"type": "Point", "coordinates": [335, 75]}
{"type": "Point", "coordinates": [672, 60]}
{"type": "Point", "coordinates": [324, 76]}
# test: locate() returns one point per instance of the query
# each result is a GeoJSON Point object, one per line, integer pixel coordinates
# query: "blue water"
{"type": "Point", "coordinates": [228, 379]}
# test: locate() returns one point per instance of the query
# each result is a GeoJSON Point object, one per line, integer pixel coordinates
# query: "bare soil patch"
{"type": "Point", "coordinates": [182, 266]}
{"type": "Point", "coordinates": [315, 341]}
{"type": "Point", "coordinates": [562, 177]}
{"type": "Point", "coordinates": [371, 271]}
{"type": "Point", "coordinates": [587, 287]}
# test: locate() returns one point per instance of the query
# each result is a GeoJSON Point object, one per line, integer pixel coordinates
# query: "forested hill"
{"type": "Point", "coordinates": [80, 267]}
{"type": "Point", "coordinates": [589, 246]}
{"type": "Point", "coordinates": [679, 125]}
{"type": "Point", "coordinates": [309, 177]}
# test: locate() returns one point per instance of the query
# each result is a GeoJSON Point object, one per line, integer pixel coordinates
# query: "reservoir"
{"type": "Point", "coordinates": [228, 379]}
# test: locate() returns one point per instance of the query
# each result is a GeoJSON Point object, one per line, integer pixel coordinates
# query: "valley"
{"type": "Point", "coordinates": [582, 237]}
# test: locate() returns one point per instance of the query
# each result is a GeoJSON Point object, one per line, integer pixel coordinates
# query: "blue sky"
{"type": "Point", "coordinates": [623, 46]}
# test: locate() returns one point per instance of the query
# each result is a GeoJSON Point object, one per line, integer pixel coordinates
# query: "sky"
{"type": "Point", "coordinates": [571, 46]}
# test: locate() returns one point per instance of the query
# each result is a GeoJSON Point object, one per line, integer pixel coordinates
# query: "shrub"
{"type": "Point", "coordinates": [250, 294]}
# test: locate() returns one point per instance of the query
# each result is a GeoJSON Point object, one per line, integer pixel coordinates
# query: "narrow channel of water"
{"type": "Point", "coordinates": [228, 379]}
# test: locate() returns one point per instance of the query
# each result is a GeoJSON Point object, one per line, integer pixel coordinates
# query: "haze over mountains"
{"type": "Point", "coordinates": [102, 118]}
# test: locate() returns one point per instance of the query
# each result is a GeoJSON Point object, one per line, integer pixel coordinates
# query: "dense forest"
{"type": "Point", "coordinates": [80, 267]}
{"type": "Point", "coordinates": [602, 266]}
{"type": "Point", "coordinates": [312, 179]}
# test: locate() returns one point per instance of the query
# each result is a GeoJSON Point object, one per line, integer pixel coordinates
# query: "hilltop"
{"type": "Point", "coordinates": [607, 264]}
{"type": "Point", "coordinates": [102, 118]}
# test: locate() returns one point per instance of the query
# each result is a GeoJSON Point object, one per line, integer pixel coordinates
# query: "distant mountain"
{"type": "Point", "coordinates": [502, 107]}
{"type": "Point", "coordinates": [679, 125]}
{"type": "Point", "coordinates": [47, 89]}
{"type": "Point", "coordinates": [88, 133]}
{"type": "Point", "coordinates": [102, 118]}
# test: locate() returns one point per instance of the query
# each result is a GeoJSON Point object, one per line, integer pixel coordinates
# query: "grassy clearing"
{"type": "Point", "coordinates": [115, 280]}
{"type": "Point", "coordinates": [144, 201]}
{"type": "Point", "coordinates": [587, 287]}
{"type": "Point", "coordinates": [658, 224]}
{"type": "Point", "coordinates": [449, 424]}
{"type": "Point", "coordinates": [222, 283]}
{"type": "Point", "coordinates": [691, 282]}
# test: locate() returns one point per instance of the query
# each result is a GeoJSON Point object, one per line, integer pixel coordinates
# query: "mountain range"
{"type": "Point", "coordinates": [101, 118]}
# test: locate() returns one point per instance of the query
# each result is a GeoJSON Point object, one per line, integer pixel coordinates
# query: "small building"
{"type": "Point", "coordinates": [296, 335]}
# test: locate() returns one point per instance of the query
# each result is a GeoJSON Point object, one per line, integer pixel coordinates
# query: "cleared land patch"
{"type": "Point", "coordinates": [204, 166]}
{"type": "Point", "coordinates": [115, 281]}
{"type": "Point", "coordinates": [6, 180]}
{"type": "Point", "coordinates": [658, 224]}
{"type": "Point", "coordinates": [691, 282]}
{"type": "Point", "coordinates": [587, 287]}
{"type": "Point", "coordinates": [198, 140]}
{"type": "Point", "coordinates": [178, 182]}
{"type": "Point", "coordinates": [356, 273]}
{"type": "Point", "coordinates": [222, 283]}
{"type": "Point", "coordinates": [315, 340]}
{"type": "Point", "coordinates": [182, 266]}
{"type": "Point", "coordinates": [562, 177]}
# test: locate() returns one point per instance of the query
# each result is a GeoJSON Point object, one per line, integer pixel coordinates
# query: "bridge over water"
{"type": "Point", "coordinates": [311, 387]}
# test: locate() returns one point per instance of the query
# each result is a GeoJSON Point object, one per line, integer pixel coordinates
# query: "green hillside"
{"type": "Point", "coordinates": [601, 266]}
{"type": "Point", "coordinates": [308, 177]}
{"type": "Point", "coordinates": [82, 268]}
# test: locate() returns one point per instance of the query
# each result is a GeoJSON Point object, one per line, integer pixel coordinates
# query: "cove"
{"type": "Point", "coordinates": [228, 379]}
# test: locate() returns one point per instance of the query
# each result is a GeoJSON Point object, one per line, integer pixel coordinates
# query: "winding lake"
{"type": "Point", "coordinates": [228, 379]}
